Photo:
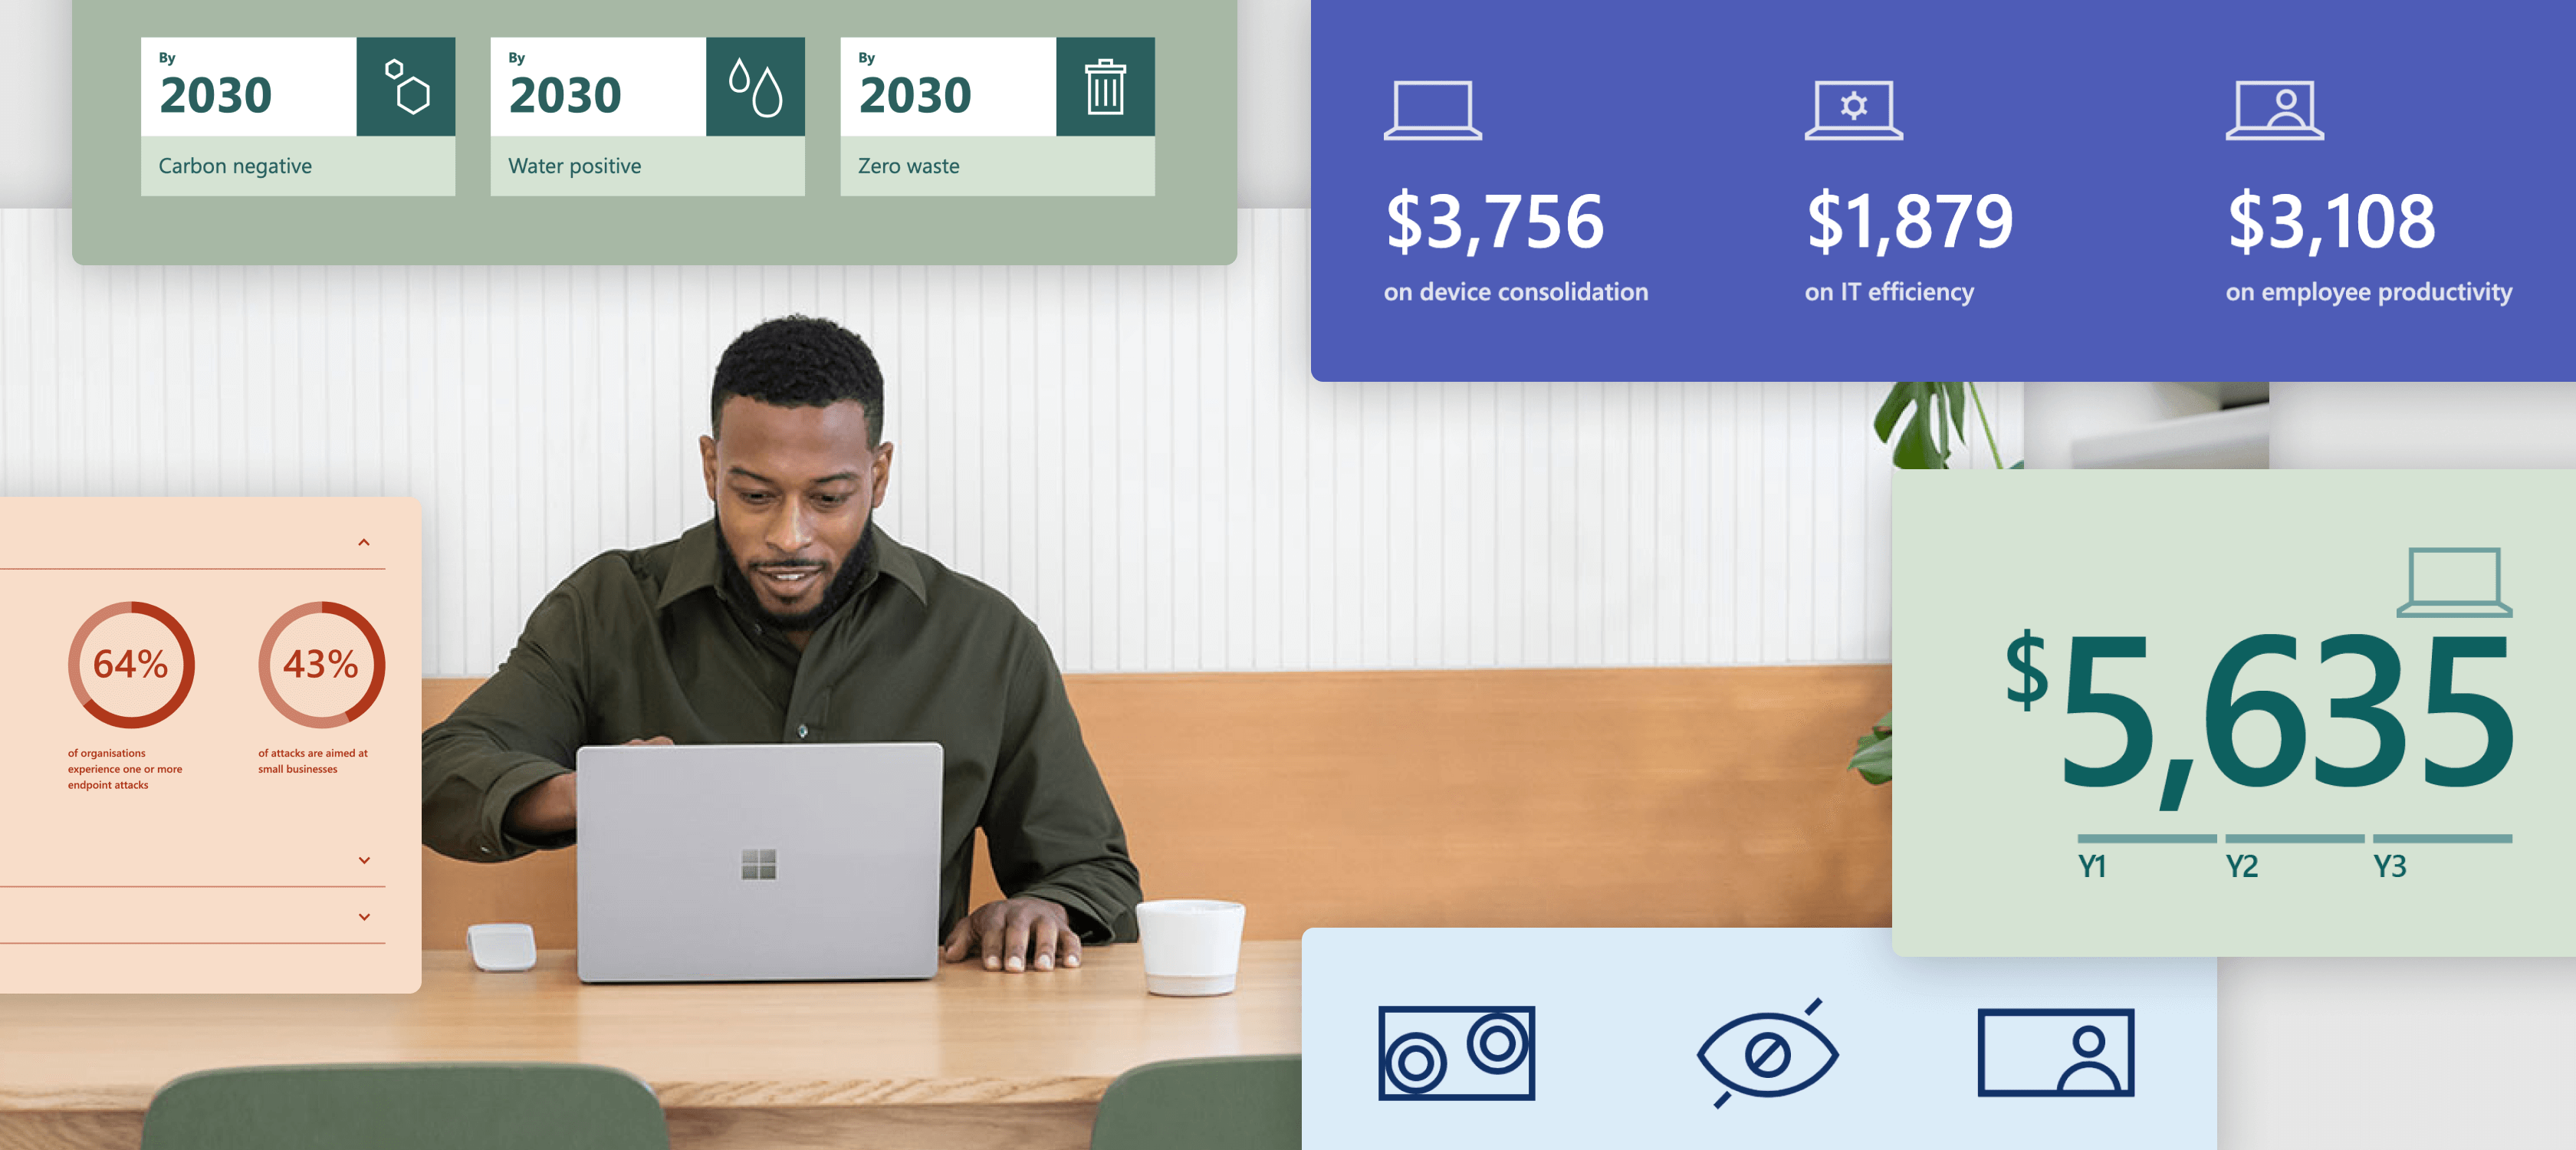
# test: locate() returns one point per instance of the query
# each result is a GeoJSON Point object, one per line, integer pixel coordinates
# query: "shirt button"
{"type": "Point", "coordinates": [800, 730]}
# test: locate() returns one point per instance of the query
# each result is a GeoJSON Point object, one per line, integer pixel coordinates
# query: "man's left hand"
{"type": "Point", "coordinates": [1015, 934]}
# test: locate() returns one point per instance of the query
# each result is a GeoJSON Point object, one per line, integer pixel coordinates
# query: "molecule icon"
{"type": "Point", "coordinates": [412, 95]}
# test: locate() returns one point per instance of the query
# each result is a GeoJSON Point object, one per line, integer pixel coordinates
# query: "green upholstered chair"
{"type": "Point", "coordinates": [407, 1106]}
{"type": "Point", "coordinates": [1202, 1104]}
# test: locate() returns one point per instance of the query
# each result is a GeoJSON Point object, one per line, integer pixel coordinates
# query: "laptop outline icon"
{"type": "Point", "coordinates": [1405, 131]}
{"type": "Point", "coordinates": [2491, 607]}
{"type": "Point", "coordinates": [2302, 109]}
{"type": "Point", "coordinates": [1856, 132]}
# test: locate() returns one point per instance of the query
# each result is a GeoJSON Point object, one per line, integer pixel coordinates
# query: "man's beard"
{"type": "Point", "coordinates": [845, 583]}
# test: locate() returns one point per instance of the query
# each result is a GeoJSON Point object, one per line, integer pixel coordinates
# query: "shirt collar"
{"type": "Point", "coordinates": [897, 560]}
{"type": "Point", "coordinates": [695, 566]}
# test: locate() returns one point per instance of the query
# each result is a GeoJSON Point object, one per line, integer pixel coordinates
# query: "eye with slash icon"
{"type": "Point", "coordinates": [1768, 1055]}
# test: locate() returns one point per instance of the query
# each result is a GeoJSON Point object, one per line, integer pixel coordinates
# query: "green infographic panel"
{"type": "Point", "coordinates": [771, 131]}
{"type": "Point", "coordinates": [995, 116]}
{"type": "Point", "coordinates": [2227, 713]}
{"type": "Point", "coordinates": [265, 117]}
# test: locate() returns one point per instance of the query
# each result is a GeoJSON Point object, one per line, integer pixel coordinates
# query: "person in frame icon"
{"type": "Point", "coordinates": [2287, 99]}
{"type": "Point", "coordinates": [2089, 1043]}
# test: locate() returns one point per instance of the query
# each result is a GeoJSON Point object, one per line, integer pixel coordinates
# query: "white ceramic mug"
{"type": "Point", "coordinates": [1192, 945]}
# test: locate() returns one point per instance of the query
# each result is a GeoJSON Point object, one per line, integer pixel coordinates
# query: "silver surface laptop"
{"type": "Point", "coordinates": [755, 863]}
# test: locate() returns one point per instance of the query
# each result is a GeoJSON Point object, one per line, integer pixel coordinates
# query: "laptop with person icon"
{"type": "Point", "coordinates": [2276, 110]}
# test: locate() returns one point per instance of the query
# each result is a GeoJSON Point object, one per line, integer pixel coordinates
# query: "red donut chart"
{"type": "Point", "coordinates": [268, 647]}
{"type": "Point", "coordinates": [187, 665]}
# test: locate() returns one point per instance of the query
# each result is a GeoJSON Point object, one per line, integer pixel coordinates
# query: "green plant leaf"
{"type": "Point", "coordinates": [1899, 397]}
{"type": "Point", "coordinates": [1876, 765]}
{"type": "Point", "coordinates": [1925, 442]}
{"type": "Point", "coordinates": [1915, 449]}
{"type": "Point", "coordinates": [1876, 757]}
{"type": "Point", "coordinates": [1953, 402]}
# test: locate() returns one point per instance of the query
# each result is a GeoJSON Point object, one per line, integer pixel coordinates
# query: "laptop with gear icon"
{"type": "Point", "coordinates": [1855, 110]}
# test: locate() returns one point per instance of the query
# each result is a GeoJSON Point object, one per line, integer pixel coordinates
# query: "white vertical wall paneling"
{"type": "Point", "coordinates": [1136, 455]}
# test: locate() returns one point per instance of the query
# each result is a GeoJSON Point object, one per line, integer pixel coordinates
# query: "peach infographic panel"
{"type": "Point", "coordinates": [209, 745]}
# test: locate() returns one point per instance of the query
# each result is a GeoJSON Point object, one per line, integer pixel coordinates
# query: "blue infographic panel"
{"type": "Point", "coordinates": [1554, 1038]}
{"type": "Point", "coordinates": [1508, 190]}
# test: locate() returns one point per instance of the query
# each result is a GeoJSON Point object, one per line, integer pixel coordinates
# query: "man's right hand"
{"type": "Point", "coordinates": [546, 809]}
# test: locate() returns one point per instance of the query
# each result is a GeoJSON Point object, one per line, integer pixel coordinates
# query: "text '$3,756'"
{"type": "Point", "coordinates": [2224, 706]}
{"type": "Point", "coordinates": [1582, 226]}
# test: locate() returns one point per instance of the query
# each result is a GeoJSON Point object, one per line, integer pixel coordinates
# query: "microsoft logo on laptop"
{"type": "Point", "coordinates": [759, 863]}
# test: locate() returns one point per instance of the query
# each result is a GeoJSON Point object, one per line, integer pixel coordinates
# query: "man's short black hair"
{"type": "Point", "coordinates": [800, 361]}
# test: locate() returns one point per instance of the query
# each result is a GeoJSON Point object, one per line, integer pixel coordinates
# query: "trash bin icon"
{"type": "Point", "coordinates": [1108, 87]}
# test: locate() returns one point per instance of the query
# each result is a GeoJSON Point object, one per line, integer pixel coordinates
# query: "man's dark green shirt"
{"type": "Point", "coordinates": [652, 642]}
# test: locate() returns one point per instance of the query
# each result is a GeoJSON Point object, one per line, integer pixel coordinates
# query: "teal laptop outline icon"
{"type": "Point", "coordinates": [2454, 576]}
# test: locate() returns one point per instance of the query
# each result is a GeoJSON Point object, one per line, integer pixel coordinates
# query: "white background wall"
{"type": "Point", "coordinates": [1135, 454]}
{"type": "Point", "coordinates": [2478, 425]}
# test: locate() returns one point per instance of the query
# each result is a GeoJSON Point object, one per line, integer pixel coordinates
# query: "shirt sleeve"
{"type": "Point", "coordinates": [1048, 821]}
{"type": "Point", "coordinates": [520, 728]}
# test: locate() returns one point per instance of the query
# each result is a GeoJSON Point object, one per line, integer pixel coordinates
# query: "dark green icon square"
{"type": "Point", "coordinates": [406, 86]}
{"type": "Point", "coordinates": [755, 85]}
{"type": "Point", "coordinates": [1104, 86]}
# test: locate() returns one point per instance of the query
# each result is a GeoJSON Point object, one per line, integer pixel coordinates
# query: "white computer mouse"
{"type": "Point", "coordinates": [502, 946]}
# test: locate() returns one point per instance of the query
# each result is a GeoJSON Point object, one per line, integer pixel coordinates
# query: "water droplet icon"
{"type": "Point", "coordinates": [740, 78]}
{"type": "Point", "coordinates": [776, 99]}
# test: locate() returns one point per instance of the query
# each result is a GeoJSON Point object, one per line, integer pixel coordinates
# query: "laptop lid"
{"type": "Point", "coordinates": [1855, 103]}
{"type": "Point", "coordinates": [1435, 104]}
{"type": "Point", "coordinates": [2454, 576]}
{"type": "Point", "coordinates": [743, 863]}
{"type": "Point", "coordinates": [2276, 104]}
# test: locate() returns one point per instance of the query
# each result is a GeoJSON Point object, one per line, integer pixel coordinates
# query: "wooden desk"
{"type": "Point", "coordinates": [968, 1060]}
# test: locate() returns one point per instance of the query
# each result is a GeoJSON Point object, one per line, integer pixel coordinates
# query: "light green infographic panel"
{"type": "Point", "coordinates": [2226, 713]}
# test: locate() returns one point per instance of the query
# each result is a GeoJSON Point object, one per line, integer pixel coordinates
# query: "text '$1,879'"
{"type": "Point", "coordinates": [1581, 227]}
{"type": "Point", "coordinates": [1915, 222]}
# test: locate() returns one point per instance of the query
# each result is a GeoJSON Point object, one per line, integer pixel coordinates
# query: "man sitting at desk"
{"type": "Point", "coordinates": [792, 618]}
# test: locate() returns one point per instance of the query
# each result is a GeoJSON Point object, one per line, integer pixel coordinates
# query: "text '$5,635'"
{"type": "Point", "coordinates": [2223, 707]}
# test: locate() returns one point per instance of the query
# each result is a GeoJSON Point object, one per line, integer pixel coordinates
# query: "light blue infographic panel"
{"type": "Point", "coordinates": [1555, 1038]}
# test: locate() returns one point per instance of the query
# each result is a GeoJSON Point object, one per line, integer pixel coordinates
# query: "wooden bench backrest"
{"type": "Point", "coordinates": [1619, 797]}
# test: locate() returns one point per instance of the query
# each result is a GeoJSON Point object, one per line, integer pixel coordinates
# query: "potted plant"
{"type": "Point", "coordinates": [1938, 410]}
